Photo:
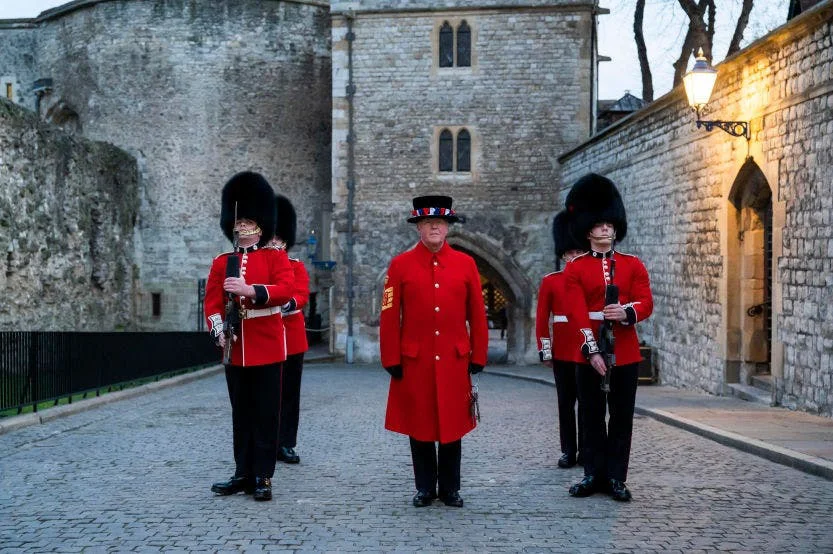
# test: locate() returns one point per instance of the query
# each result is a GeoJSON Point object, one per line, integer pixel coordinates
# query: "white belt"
{"type": "Point", "coordinates": [293, 312]}
{"type": "Point", "coordinates": [263, 312]}
{"type": "Point", "coordinates": [559, 318]}
{"type": "Point", "coordinates": [597, 316]}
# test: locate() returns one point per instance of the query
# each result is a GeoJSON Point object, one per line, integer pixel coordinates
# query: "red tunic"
{"type": "Point", "coordinates": [565, 337]}
{"type": "Point", "coordinates": [293, 322]}
{"type": "Point", "coordinates": [260, 340]}
{"type": "Point", "coordinates": [433, 323]}
{"type": "Point", "coordinates": [585, 289]}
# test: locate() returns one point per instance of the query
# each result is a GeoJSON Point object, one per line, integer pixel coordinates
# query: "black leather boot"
{"type": "Point", "coordinates": [423, 498]}
{"type": "Point", "coordinates": [619, 491]}
{"type": "Point", "coordinates": [566, 461]}
{"type": "Point", "coordinates": [288, 455]}
{"type": "Point", "coordinates": [233, 486]}
{"type": "Point", "coordinates": [585, 487]}
{"type": "Point", "coordinates": [263, 488]}
{"type": "Point", "coordinates": [452, 499]}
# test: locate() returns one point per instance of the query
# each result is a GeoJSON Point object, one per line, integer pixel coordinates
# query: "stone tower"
{"type": "Point", "coordinates": [195, 91]}
{"type": "Point", "coordinates": [474, 99]}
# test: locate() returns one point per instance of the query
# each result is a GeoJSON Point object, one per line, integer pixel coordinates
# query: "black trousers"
{"type": "Point", "coordinates": [254, 393]}
{"type": "Point", "coordinates": [290, 399]}
{"type": "Point", "coordinates": [566, 389]}
{"type": "Point", "coordinates": [436, 465]}
{"type": "Point", "coordinates": [607, 448]}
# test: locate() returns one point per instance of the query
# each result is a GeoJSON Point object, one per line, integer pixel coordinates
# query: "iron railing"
{"type": "Point", "coordinates": [46, 366]}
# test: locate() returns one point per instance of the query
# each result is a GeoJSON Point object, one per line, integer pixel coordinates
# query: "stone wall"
{"type": "Point", "coordinates": [17, 60]}
{"type": "Point", "coordinates": [341, 6]}
{"type": "Point", "coordinates": [678, 183]}
{"type": "Point", "coordinates": [525, 98]}
{"type": "Point", "coordinates": [196, 91]}
{"type": "Point", "coordinates": [68, 208]}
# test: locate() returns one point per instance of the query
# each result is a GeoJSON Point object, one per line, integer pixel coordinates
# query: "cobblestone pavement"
{"type": "Point", "coordinates": [135, 475]}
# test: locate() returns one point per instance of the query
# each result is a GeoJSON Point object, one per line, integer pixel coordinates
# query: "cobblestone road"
{"type": "Point", "coordinates": [135, 475]}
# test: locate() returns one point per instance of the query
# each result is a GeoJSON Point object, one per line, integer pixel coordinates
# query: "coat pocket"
{"type": "Point", "coordinates": [410, 349]}
{"type": "Point", "coordinates": [463, 349]}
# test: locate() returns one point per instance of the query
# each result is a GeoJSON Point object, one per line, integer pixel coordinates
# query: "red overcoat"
{"type": "Point", "coordinates": [585, 289]}
{"type": "Point", "coordinates": [260, 339]}
{"type": "Point", "coordinates": [433, 323]}
{"type": "Point", "coordinates": [565, 338]}
{"type": "Point", "coordinates": [293, 322]}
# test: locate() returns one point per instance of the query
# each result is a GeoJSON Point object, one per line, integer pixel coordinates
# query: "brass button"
{"type": "Point", "coordinates": [436, 308]}
{"type": "Point", "coordinates": [437, 333]}
{"type": "Point", "coordinates": [436, 285]}
{"type": "Point", "coordinates": [437, 358]}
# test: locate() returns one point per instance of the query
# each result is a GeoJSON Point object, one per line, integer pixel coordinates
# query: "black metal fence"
{"type": "Point", "coordinates": [43, 366]}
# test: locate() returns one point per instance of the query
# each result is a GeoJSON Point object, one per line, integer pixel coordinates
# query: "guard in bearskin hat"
{"type": "Point", "coordinates": [433, 336]}
{"type": "Point", "coordinates": [243, 296]}
{"type": "Point", "coordinates": [558, 341]}
{"type": "Point", "coordinates": [609, 292]}
{"type": "Point", "coordinates": [295, 333]}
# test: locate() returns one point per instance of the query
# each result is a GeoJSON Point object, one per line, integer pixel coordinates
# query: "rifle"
{"type": "Point", "coordinates": [607, 342]}
{"type": "Point", "coordinates": [232, 321]}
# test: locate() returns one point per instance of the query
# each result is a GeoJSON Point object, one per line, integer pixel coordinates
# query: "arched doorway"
{"type": "Point", "coordinates": [507, 304]}
{"type": "Point", "coordinates": [749, 279]}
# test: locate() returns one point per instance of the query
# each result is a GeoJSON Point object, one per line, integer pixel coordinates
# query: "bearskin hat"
{"type": "Point", "coordinates": [433, 206]}
{"type": "Point", "coordinates": [254, 199]}
{"type": "Point", "coordinates": [561, 234]}
{"type": "Point", "coordinates": [594, 199]}
{"type": "Point", "coordinates": [287, 223]}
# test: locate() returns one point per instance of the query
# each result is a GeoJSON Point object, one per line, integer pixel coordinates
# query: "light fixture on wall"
{"type": "Point", "coordinates": [699, 83]}
{"type": "Point", "coordinates": [312, 254]}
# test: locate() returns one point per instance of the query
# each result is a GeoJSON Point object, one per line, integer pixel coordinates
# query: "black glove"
{"type": "Point", "coordinates": [289, 306]}
{"type": "Point", "coordinates": [395, 371]}
{"type": "Point", "coordinates": [475, 368]}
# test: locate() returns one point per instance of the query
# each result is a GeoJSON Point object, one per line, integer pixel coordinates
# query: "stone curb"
{"type": "Point", "coordinates": [773, 453]}
{"type": "Point", "coordinates": [18, 422]}
{"type": "Point", "coordinates": [784, 456]}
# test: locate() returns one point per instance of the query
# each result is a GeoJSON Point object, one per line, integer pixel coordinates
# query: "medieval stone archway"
{"type": "Point", "coordinates": [749, 321]}
{"type": "Point", "coordinates": [502, 277]}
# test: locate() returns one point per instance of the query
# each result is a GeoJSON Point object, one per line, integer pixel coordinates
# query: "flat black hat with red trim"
{"type": "Point", "coordinates": [254, 199]}
{"type": "Point", "coordinates": [287, 225]}
{"type": "Point", "coordinates": [595, 199]}
{"type": "Point", "coordinates": [433, 206]}
{"type": "Point", "coordinates": [564, 241]}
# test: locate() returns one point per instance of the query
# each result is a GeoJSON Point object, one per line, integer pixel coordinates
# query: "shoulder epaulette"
{"type": "Point", "coordinates": [291, 259]}
{"type": "Point", "coordinates": [626, 254]}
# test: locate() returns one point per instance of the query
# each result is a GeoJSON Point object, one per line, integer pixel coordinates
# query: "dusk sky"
{"type": "Point", "coordinates": [664, 31]}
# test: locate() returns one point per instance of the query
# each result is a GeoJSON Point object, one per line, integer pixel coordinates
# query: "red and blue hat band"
{"type": "Point", "coordinates": [432, 212]}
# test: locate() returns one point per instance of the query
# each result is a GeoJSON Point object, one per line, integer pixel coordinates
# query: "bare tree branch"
{"type": "Point", "coordinates": [697, 35]}
{"type": "Point", "coordinates": [743, 21]}
{"type": "Point", "coordinates": [642, 52]}
{"type": "Point", "coordinates": [710, 28]}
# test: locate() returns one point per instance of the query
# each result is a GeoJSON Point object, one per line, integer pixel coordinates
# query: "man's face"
{"type": "Point", "coordinates": [571, 255]}
{"type": "Point", "coordinates": [246, 227]}
{"type": "Point", "coordinates": [602, 234]}
{"type": "Point", "coordinates": [432, 231]}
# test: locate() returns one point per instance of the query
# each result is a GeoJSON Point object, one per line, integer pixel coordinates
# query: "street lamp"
{"type": "Point", "coordinates": [699, 83]}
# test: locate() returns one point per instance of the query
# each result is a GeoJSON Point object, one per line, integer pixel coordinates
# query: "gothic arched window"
{"type": "Point", "coordinates": [463, 45]}
{"type": "Point", "coordinates": [463, 151]}
{"type": "Point", "coordinates": [446, 151]}
{"type": "Point", "coordinates": [446, 45]}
